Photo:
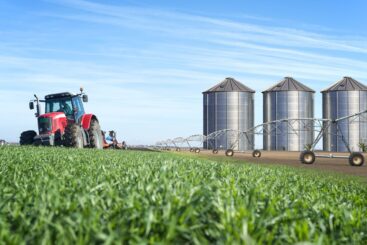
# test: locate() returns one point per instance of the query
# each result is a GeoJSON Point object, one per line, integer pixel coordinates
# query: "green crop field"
{"type": "Point", "coordinates": [68, 196]}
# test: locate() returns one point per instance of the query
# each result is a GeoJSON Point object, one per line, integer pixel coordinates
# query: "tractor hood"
{"type": "Point", "coordinates": [53, 115]}
{"type": "Point", "coordinates": [50, 123]}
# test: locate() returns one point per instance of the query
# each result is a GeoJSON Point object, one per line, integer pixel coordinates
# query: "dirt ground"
{"type": "Point", "coordinates": [292, 159]}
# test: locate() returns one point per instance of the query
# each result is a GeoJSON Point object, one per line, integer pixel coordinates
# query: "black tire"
{"type": "Point", "coordinates": [95, 135]}
{"type": "Point", "coordinates": [197, 150]}
{"type": "Point", "coordinates": [356, 159]}
{"type": "Point", "coordinates": [229, 153]}
{"type": "Point", "coordinates": [215, 151]}
{"type": "Point", "coordinates": [2, 142]}
{"type": "Point", "coordinates": [178, 149]}
{"type": "Point", "coordinates": [256, 153]}
{"type": "Point", "coordinates": [191, 149]}
{"type": "Point", "coordinates": [26, 137]}
{"type": "Point", "coordinates": [307, 157]}
{"type": "Point", "coordinates": [73, 136]}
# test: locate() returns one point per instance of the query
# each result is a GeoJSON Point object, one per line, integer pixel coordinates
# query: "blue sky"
{"type": "Point", "coordinates": [145, 63]}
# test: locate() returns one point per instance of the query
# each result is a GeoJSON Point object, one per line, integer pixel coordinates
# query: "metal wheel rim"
{"type": "Point", "coordinates": [357, 160]}
{"type": "Point", "coordinates": [308, 158]}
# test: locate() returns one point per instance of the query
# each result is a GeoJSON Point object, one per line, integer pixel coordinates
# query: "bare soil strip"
{"type": "Point", "coordinates": [292, 159]}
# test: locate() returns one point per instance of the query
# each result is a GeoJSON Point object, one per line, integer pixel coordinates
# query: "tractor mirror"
{"type": "Point", "coordinates": [31, 105]}
{"type": "Point", "coordinates": [85, 98]}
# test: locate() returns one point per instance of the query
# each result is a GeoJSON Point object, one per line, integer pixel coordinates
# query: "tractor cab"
{"type": "Point", "coordinates": [67, 103]}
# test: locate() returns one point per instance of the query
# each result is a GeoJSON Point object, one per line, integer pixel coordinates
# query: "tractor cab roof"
{"type": "Point", "coordinates": [59, 95]}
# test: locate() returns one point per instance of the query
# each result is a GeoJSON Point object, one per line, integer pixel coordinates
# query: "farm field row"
{"type": "Point", "coordinates": [88, 196]}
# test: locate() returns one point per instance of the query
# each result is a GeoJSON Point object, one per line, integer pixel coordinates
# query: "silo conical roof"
{"type": "Point", "coordinates": [289, 84]}
{"type": "Point", "coordinates": [346, 84]}
{"type": "Point", "coordinates": [229, 85]}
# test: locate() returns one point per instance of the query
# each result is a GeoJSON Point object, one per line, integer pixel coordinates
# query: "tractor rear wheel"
{"type": "Point", "coordinates": [356, 159]}
{"type": "Point", "coordinates": [73, 136]}
{"type": "Point", "coordinates": [95, 135]}
{"type": "Point", "coordinates": [26, 137]}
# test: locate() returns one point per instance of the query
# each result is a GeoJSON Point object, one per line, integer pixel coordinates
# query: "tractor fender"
{"type": "Point", "coordinates": [86, 120]}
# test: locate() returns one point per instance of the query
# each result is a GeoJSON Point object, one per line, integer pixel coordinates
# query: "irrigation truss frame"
{"type": "Point", "coordinates": [293, 126]}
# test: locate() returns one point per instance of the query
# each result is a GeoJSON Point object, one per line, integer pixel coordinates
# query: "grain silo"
{"type": "Point", "coordinates": [287, 99]}
{"type": "Point", "coordinates": [344, 98]}
{"type": "Point", "coordinates": [228, 105]}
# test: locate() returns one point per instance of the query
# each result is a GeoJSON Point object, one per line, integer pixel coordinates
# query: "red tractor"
{"type": "Point", "coordinates": [64, 123]}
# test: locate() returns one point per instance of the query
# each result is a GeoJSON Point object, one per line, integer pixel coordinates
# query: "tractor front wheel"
{"type": "Point", "coordinates": [26, 137]}
{"type": "Point", "coordinates": [95, 135]}
{"type": "Point", "coordinates": [73, 136]}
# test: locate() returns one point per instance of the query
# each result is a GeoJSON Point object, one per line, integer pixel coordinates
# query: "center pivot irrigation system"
{"type": "Point", "coordinates": [284, 126]}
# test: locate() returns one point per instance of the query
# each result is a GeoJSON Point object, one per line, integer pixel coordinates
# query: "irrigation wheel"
{"type": "Point", "coordinates": [256, 153]}
{"type": "Point", "coordinates": [356, 159]}
{"type": "Point", "coordinates": [215, 151]}
{"type": "Point", "coordinates": [307, 157]}
{"type": "Point", "coordinates": [229, 153]}
{"type": "Point", "coordinates": [197, 150]}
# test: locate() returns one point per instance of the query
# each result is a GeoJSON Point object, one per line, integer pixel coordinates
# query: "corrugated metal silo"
{"type": "Point", "coordinates": [228, 105]}
{"type": "Point", "coordinates": [344, 98]}
{"type": "Point", "coordinates": [287, 99]}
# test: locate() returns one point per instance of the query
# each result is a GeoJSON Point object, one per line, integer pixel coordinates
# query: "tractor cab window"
{"type": "Point", "coordinates": [60, 105]}
{"type": "Point", "coordinates": [78, 108]}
